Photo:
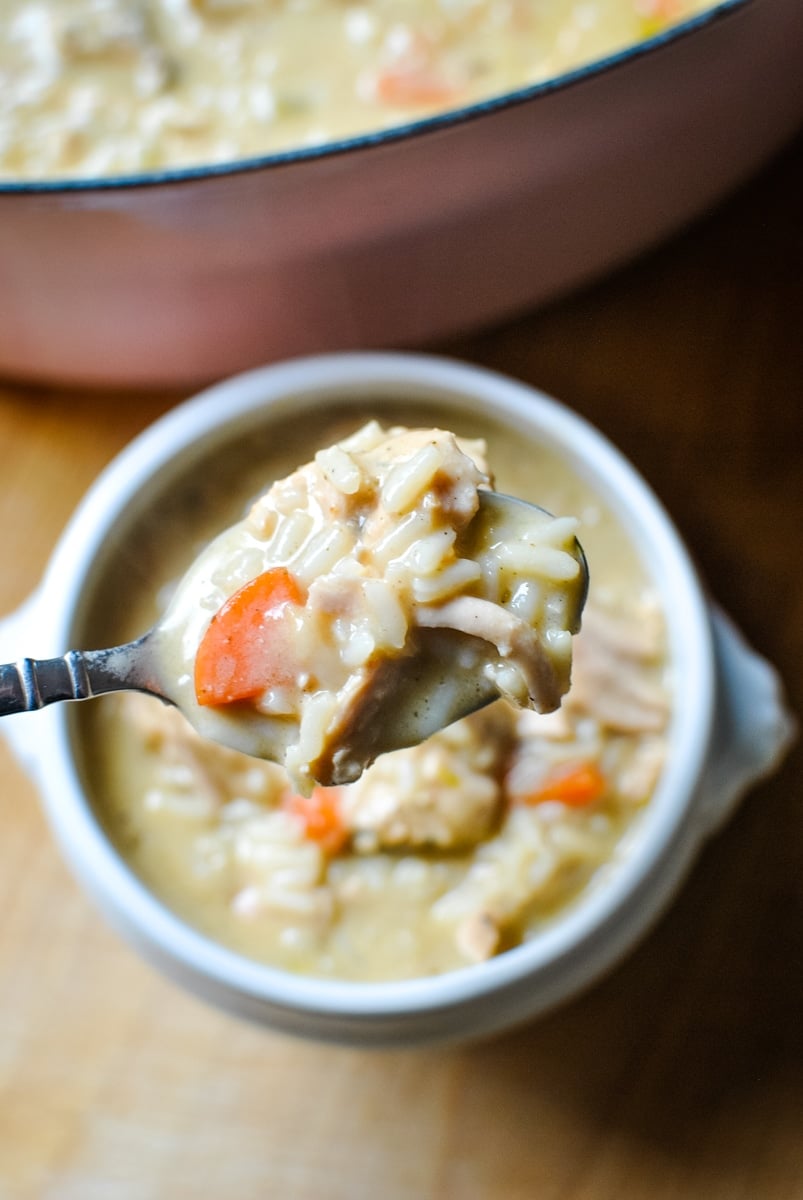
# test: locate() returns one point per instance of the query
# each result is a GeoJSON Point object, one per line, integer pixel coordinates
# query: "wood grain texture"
{"type": "Point", "coordinates": [681, 1075]}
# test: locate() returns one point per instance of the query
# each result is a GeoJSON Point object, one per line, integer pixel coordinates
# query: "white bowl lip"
{"type": "Point", "coordinates": [394, 134]}
{"type": "Point", "coordinates": [665, 825]}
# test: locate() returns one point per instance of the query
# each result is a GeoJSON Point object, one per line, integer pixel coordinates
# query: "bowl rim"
{"type": "Point", "coordinates": [665, 824]}
{"type": "Point", "coordinates": [392, 135]}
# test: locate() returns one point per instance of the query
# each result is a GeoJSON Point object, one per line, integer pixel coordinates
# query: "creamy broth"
{"type": "Point", "coordinates": [104, 87]}
{"type": "Point", "coordinates": [443, 855]}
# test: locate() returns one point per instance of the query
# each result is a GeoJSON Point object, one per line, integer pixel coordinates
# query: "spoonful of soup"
{"type": "Point", "coordinates": [377, 594]}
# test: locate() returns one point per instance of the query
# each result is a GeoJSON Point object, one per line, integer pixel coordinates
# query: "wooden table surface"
{"type": "Point", "coordinates": [681, 1075]}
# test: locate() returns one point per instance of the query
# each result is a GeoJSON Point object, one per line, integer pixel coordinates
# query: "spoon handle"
{"type": "Point", "coordinates": [33, 683]}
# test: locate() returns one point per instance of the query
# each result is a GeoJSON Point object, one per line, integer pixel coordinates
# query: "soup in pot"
{"type": "Point", "coordinates": [93, 88]}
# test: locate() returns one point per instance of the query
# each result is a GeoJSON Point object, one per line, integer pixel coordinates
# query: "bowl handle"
{"type": "Point", "coordinates": [753, 728]}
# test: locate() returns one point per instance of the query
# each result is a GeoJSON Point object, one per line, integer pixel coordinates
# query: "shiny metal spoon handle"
{"type": "Point", "coordinates": [34, 683]}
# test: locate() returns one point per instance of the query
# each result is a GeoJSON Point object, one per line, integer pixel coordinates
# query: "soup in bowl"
{"type": "Point", "coordinates": [457, 886]}
{"type": "Point", "coordinates": [439, 855]}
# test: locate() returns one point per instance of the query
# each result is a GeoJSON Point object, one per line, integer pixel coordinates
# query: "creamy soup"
{"type": "Point", "coordinates": [438, 856]}
{"type": "Point", "coordinates": [104, 87]}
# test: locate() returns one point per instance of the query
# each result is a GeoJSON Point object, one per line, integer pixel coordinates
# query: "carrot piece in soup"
{"type": "Point", "coordinates": [322, 817]}
{"type": "Point", "coordinates": [405, 86]}
{"type": "Point", "coordinates": [241, 654]}
{"type": "Point", "coordinates": [656, 15]}
{"type": "Point", "coordinates": [573, 784]}
{"type": "Point", "coordinates": [417, 75]}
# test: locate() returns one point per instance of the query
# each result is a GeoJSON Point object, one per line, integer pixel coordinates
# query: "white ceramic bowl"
{"type": "Point", "coordinates": [179, 277]}
{"type": "Point", "coordinates": [729, 728]}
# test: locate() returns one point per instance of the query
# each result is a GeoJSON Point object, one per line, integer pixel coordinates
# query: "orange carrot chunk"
{"type": "Point", "coordinates": [243, 651]}
{"type": "Point", "coordinates": [322, 817]}
{"type": "Point", "coordinates": [405, 86]}
{"type": "Point", "coordinates": [656, 15]}
{"type": "Point", "coordinates": [574, 784]}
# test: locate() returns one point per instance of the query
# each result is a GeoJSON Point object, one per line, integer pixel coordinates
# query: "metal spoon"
{"type": "Point", "coordinates": [438, 685]}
